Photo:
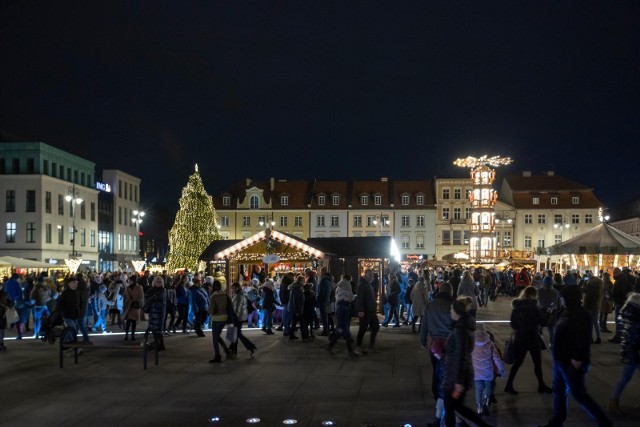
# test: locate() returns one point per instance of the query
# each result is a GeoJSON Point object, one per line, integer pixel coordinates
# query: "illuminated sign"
{"type": "Point", "coordinates": [103, 186]}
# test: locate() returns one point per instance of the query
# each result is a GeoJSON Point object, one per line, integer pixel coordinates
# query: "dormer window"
{"type": "Point", "coordinates": [554, 200]}
{"type": "Point", "coordinates": [322, 200]}
{"type": "Point", "coordinates": [226, 201]}
{"type": "Point", "coordinates": [535, 200]}
{"type": "Point", "coordinates": [335, 200]}
{"type": "Point", "coordinates": [575, 200]}
{"type": "Point", "coordinates": [377, 200]}
{"type": "Point", "coordinates": [405, 200]}
{"type": "Point", "coordinates": [284, 200]}
{"type": "Point", "coordinates": [420, 200]}
{"type": "Point", "coordinates": [364, 200]}
{"type": "Point", "coordinates": [254, 202]}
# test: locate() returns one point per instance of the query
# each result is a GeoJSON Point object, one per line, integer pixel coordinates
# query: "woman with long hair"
{"type": "Point", "coordinates": [240, 304]}
{"type": "Point", "coordinates": [526, 321]}
{"type": "Point", "coordinates": [469, 289]}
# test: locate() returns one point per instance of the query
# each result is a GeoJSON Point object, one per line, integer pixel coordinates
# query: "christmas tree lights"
{"type": "Point", "coordinates": [195, 227]}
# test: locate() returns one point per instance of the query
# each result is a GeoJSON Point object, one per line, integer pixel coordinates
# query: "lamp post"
{"type": "Point", "coordinates": [561, 226]}
{"type": "Point", "coordinates": [73, 197]}
{"type": "Point", "coordinates": [384, 222]}
{"type": "Point", "coordinates": [137, 220]}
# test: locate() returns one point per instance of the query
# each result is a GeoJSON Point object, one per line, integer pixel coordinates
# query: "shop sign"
{"type": "Point", "coordinates": [270, 259]}
{"type": "Point", "coordinates": [103, 186]}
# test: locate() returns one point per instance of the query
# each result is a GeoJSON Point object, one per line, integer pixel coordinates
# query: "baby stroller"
{"type": "Point", "coordinates": [49, 330]}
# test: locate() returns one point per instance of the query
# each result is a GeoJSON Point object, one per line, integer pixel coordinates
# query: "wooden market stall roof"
{"type": "Point", "coordinates": [361, 247]}
{"type": "Point", "coordinates": [287, 246]}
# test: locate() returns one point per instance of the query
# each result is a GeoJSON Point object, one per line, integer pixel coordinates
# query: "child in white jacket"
{"type": "Point", "coordinates": [486, 361]}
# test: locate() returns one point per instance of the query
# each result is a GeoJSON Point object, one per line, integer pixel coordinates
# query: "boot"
{"type": "Point", "coordinates": [614, 407]}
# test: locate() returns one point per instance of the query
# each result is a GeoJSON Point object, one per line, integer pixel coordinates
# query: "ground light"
{"type": "Point", "coordinates": [328, 423]}
{"type": "Point", "coordinates": [215, 419]}
{"type": "Point", "coordinates": [290, 421]}
{"type": "Point", "coordinates": [253, 420]}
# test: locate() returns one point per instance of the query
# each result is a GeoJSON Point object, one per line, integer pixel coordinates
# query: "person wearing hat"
{"type": "Point", "coordinates": [458, 368]}
{"type": "Point", "coordinates": [572, 358]}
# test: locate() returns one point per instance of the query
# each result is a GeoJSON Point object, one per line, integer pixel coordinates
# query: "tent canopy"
{"type": "Point", "coordinates": [601, 239]}
{"type": "Point", "coordinates": [23, 263]}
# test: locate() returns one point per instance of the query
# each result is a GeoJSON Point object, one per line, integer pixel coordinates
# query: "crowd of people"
{"type": "Point", "coordinates": [571, 308]}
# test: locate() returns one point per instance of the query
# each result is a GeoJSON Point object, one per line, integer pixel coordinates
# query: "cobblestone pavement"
{"type": "Point", "coordinates": [286, 380]}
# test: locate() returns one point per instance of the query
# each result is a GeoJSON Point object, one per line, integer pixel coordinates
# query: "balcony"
{"type": "Point", "coordinates": [458, 221]}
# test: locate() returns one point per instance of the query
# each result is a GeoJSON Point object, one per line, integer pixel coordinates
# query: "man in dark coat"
{"type": "Point", "coordinates": [571, 359]}
{"type": "Point", "coordinates": [393, 295]}
{"type": "Point", "coordinates": [324, 299]}
{"type": "Point", "coordinates": [367, 316]}
{"type": "Point", "coordinates": [70, 306]}
{"type": "Point", "coordinates": [619, 291]}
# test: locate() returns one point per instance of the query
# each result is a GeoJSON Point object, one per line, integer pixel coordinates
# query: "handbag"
{"type": "Point", "coordinates": [11, 315]}
{"type": "Point", "coordinates": [136, 304]}
{"type": "Point", "coordinates": [509, 351]}
{"type": "Point", "coordinates": [232, 334]}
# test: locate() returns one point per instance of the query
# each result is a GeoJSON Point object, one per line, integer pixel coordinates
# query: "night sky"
{"type": "Point", "coordinates": [327, 89]}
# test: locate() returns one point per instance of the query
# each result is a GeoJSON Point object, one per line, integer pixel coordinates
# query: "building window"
{"type": "Point", "coordinates": [93, 211]}
{"type": "Point", "coordinates": [135, 189]}
{"type": "Point", "coordinates": [446, 237]}
{"type": "Point", "coordinates": [405, 221]}
{"type": "Point", "coordinates": [588, 219]}
{"type": "Point", "coordinates": [16, 166]}
{"type": "Point", "coordinates": [47, 233]}
{"type": "Point", "coordinates": [527, 242]}
{"type": "Point", "coordinates": [83, 237]}
{"type": "Point", "coordinates": [60, 204]}
{"type": "Point", "coordinates": [31, 166]}
{"type": "Point", "coordinates": [31, 232]}
{"type": "Point", "coordinates": [535, 200]}
{"type": "Point", "coordinates": [92, 238]}
{"type": "Point", "coordinates": [120, 215]}
{"type": "Point", "coordinates": [246, 221]}
{"type": "Point", "coordinates": [322, 200]}
{"type": "Point", "coordinates": [445, 213]}
{"type": "Point", "coordinates": [224, 221]}
{"type": "Point", "coordinates": [557, 219]}
{"type": "Point", "coordinates": [61, 171]}
{"type": "Point", "coordinates": [60, 235]}
{"type": "Point", "coordinates": [47, 201]}
{"type": "Point", "coordinates": [45, 167]}
{"type": "Point", "coordinates": [420, 200]}
{"type": "Point", "coordinates": [575, 200]}
{"type": "Point", "coordinates": [298, 221]}
{"type": "Point", "coordinates": [467, 193]}
{"type": "Point", "coordinates": [83, 211]}
{"type": "Point", "coordinates": [119, 190]}
{"type": "Point", "coordinates": [506, 238]}
{"type": "Point", "coordinates": [419, 241]}
{"type": "Point", "coordinates": [558, 238]}
{"type": "Point", "coordinates": [320, 221]}
{"type": "Point", "coordinates": [385, 220]}
{"type": "Point", "coordinates": [262, 220]}
{"type": "Point", "coordinates": [284, 200]}
{"type": "Point", "coordinates": [541, 241]}
{"type": "Point", "coordinates": [457, 213]}
{"type": "Point", "coordinates": [11, 232]}
{"type": "Point", "coordinates": [467, 213]}
{"type": "Point", "coordinates": [406, 242]}
{"type": "Point", "coordinates": [457, 237]}
{"type": "Point", "coordinates": [377, 200]}
{"type": "Point", "coordinates": [254, 202]}
{"type": "Point", "coordinates": [542, 219]}
{"type": "Point", "coordinates": [371, 221]}
{"type": "Point", "coordinates": [364, 200]}
{"type": "Point", "coordinates": [357, 221]}
{"type": "Point", "coordinates": [554, 200]}
{"type": "Point", "coordinates": [575, 219]}
{"type": "Point", "coordinates": [457, 193]}
{"type": "Point", "coordinates": [335, 221]}
{"type": "Point", "coordinates": [11, 201]}
{"type": "Point", "coordinates": [226, 201]}
{"type": "Point", "coordinates": [335, 200]}
{"type": "Point", "coordinates": [445, 193]}
{"type": "Point", "coordinates": [54, 170]}
{"type": "Point", "coordinates": [126, 216]}
{"type": "Point", "coordinates": [405, 200]}
{"type": "Point", "coordinates": [420, 221]}
{"type": "Point", "coordinates": [31, 201]}
{"type": "Point", "coordinates": [528, 218]}
{"type": "Point", "coordinates": [283, 221]}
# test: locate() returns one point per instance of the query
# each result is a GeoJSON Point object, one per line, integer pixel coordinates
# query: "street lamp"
{"type": "Point", "coordinates": [74, 261]}
{"type": "Point", "coordinates": [384, 222]}
{"type": "Point", "coordinates": [561, 226]}
{"type": "Point", "coordinates": [272, 223]}
{"type": "Point", "coordinates": [137, 220]}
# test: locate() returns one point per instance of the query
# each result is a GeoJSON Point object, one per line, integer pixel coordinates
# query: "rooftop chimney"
{"type": "Point", "coordinates": [248, 181]}
{"type": "Point", "coordinates": [551, 173]}
{"type": "Point", "coordinates": [526, 174]}
{"type": "Point", "coordinates": [384, 179]}
{"type": "Point", "coordinates": [272, 183]}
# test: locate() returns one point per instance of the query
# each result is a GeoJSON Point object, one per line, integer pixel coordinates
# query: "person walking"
{"type": "Point", "coordinates": [548, 304]}
{"type": "Point", "coordinates": [393, 299]}
{"type": "Point", "coordinates": [324, 299]}
{"type": "Point", "coordinates": [156, 306]}
{"type": "Point", "coordinates": [486, 358]}
{"type": "Point", "coordinates": [571, 360]}
{"type": "Point", "coordinates": [458, 368]}
{"type": "Point", "coordinates": [419, 301]}
{"type": "Point", "coordinates": [592, 290]}
{"type": "Point", "coordinates": [344, 297]}
{"type": "Point", "coordinates": [526, 321]}
{"type": "Point", "coordinates": [268, 304]}
{"type": "Point", "coordinates": [239, 302]}
{"type": "Point", "coordinates": [296, 308]}
{"type": "Point", "coordinates": [182, 304]}
{"type": "Point", "coordinates": [367, 316]}
{"type": "Point", "coordinates": [200, 306]}
{"type": "Point", "coordinates": [630, 350]}
{"type": "Point", "coordinates": [219, 309]}
{"type": "Point", "coordinates": [621, 288]}
{"type": "Point", "coordinates": [133, 303]}
{"type": "Point", "coordinates": [468, 288]}
{"type": "Point", "coordinates": [606, 306]}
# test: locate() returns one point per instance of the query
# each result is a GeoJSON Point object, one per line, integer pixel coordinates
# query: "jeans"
{"type": "Point", "coordinates": [286, 320]}
{"type": "Point", "coordinates": [483, 392]}
{"type": "Point", "coordinates": [567, 378]}
{"type": "Point", "coordinates": [368, 321]}
{"type": "Point", "coordinates": [393, 313]}
{"type": "Point", "coordinates": [625, 377]}
{"type": "Point", "coordinates": [199, 320]}
{"type": "Point", "coordinates": [253, 318]}
{"type": "Point", "coordinates": [38, 311]}
{"type": "Point", "coordinates": [343, 324]}
{"type": "Point", "coordinates": [102, 321]}
{"type": "Point", "coordinates": [182, 316]}
{"type": "Point", "coordinates": [78, 326]}
{"type": "Point", "coordinates": [409, 316]}
{"type": "Point", "coordinates": [267, 315]}
{"type": "Point", "coordinates": [324, 318]}
{"type": "Point", "coordinates": [437, 376]}
{"type": "Point", "coordinates": [595, 320]}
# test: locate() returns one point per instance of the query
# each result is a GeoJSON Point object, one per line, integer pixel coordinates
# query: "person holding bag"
{"type": "Point", "coordinates": [133, 303]}
{"type": "Point", "coordinates": [240, 303]}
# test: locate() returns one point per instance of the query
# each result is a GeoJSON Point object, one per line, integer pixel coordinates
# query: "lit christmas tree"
{"type": "Point", "coordinates": [196, 226]}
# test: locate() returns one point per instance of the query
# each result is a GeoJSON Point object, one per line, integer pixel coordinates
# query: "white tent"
{"type": "Point", "coordinates": [23, 263]}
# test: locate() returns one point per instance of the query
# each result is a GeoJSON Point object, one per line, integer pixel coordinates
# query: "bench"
{"type": "Point", "coordinates": [69, 340]}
